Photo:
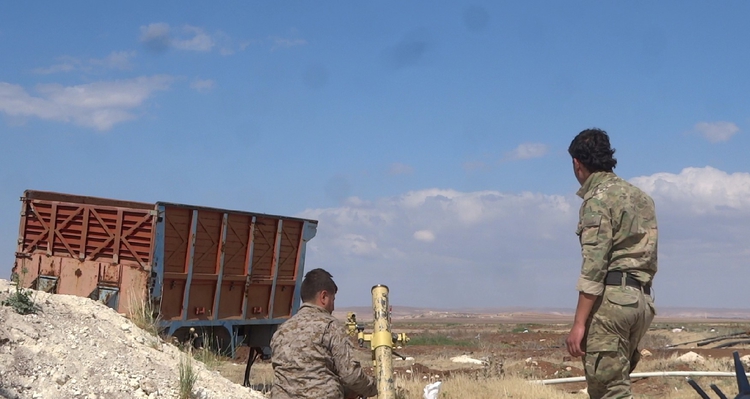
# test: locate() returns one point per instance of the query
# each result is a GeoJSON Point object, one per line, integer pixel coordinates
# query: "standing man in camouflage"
{"type": "Point", "coordinates": [312, 354]}
{"type": "Point", "coordinates": [618, 234]}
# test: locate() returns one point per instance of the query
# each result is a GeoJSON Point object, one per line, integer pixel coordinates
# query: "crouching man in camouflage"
{"type": "Point", "coordinates": [617, 232]}
{"type": "Point", "coordinates": [312, 354]}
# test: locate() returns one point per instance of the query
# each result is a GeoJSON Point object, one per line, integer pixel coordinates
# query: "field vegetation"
{"type": "Point", "coordinates": [522, 354]}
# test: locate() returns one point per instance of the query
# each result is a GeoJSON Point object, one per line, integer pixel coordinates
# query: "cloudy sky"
{"type": "Point", "coordinates": [428, 140]}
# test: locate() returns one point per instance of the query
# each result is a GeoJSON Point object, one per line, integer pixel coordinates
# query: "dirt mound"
{"type": "Point", "coordinates": [78, 348]}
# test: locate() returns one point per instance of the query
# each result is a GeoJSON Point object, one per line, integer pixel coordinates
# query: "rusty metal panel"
{"type": "Point", "coordinates": [200, 266]}
{"type": "Point", "coordinates": [237, 246]}
{"type": "Point", "coordinates": [259, 289]}
{"type": "Point", "coordinates": [230, 265]}
{"type": "Point", "coordinates": [177, 237]}
{"type": "Point", "coordinates": [93, 232]}
{"type": "Point", "coordinates": [83, 243]}
{"type": "Point", "coordinates": [288, 268]}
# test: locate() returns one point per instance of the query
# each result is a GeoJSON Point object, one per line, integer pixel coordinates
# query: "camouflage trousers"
{"type": "Point", "coordinates": [618, 321]}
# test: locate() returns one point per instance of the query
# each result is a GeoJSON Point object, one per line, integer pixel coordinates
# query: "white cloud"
{"type": "Point", "coordinates": [424, 236]}
{"type": "Point", "coordinates": [280, 42]}
{"type": "Point", "coordinates": [99, 105]}
{"type": "Point", "coordinates": [519, 249]}
{"type": "Point", "coordinates": [65, 64]}
{"type": "Point", "coordinates": [717, 131]}
{"type": "Point", "coordinates": [160, 37]}
{"type": "Point", "coordinates": [477, 237]}
{"type": "Point", "coordinates": [355, 244]}
{"type": "Point", "coordinates": [202, 86]}
{"type": "Point", "coordinates": [528, 151]}
{"type": "Point", "coordinates": [398, 168]}
{"type": "Point", "coordinates": [197, 40]}
{"type": "Point", "coordinates": [156, 36]}
{"type": "Point", "coordinates": [699, 190]}
{"type": "Point", "coordinates": [115, 60]}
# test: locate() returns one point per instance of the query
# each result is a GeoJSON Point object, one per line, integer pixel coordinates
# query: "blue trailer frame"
{"type": "Point", "coordinates": [255, 333]}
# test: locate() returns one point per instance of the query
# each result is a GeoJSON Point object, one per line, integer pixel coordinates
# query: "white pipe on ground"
{"type": "Point", "coordinates": [646, 374]}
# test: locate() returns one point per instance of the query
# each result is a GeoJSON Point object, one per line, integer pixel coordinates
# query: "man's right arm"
{"type": "Point", "coordinates": [349, 370]}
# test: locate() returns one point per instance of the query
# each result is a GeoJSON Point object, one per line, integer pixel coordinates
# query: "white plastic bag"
{"type": "Point", "coordinates": [431, 391]}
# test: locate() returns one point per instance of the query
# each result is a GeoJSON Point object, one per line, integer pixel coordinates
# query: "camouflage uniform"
{"type": "Point", "coordinates": [617, 231]}
{"type": "Point", "coordinates": [313, 358]}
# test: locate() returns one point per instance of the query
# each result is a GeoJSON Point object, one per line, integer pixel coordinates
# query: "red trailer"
{"type": "Point", "coordinates": [235, 273]}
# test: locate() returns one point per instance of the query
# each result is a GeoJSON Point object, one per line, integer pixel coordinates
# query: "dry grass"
{"type": "Point", "coordinates": [515, 385]}
{"type": "Point", "coordinates": [209, 358]}
{"type": "Point", "coordinates": [439, 346]}
{"type": "Point", "coordinates": [261, 375]}
{"type": "Point", "coordinates": [211, 354]}
{"type": "Point", "coordinates": [188, 377]}
{"type": "Point", "coordinates": [143, 314]}
{"type": "Point", "coordinates": [461, 387]}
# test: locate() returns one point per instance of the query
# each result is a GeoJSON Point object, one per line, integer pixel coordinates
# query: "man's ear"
{"type": "Point", "coordinates": [579, 167]}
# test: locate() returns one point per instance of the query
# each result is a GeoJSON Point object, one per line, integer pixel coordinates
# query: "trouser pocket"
{"type": "Point", "coordinates": [604, 361]}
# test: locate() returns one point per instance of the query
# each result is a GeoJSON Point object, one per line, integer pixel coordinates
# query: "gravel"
{"type": "Point", "coordinates": [77, 348]}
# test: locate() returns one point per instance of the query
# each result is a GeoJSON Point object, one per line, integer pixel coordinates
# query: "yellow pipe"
{"type": "Point", "coordinates": [382, 343]}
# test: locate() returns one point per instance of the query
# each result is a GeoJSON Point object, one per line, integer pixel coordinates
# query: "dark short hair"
{"type": "Point", "coordinates": [317, 280]}
{"type": "Point", "coordinates": [591, 148]}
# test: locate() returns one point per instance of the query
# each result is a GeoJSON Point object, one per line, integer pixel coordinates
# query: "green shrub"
{"type": "Point", "coordinates": [438, 340]}
{"type": "Point", "coordinates": [22, 302]}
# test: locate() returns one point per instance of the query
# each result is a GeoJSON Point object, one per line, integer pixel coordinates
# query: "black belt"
{"type": "Point", "coordinates": [615, 278]}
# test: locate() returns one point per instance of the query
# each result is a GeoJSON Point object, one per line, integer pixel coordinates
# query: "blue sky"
{"type": "Point", "coordinates": [429, 139]}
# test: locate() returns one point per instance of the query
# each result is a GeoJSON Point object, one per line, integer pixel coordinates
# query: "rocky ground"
{"type": "Point", "coordinates": [78, 348]}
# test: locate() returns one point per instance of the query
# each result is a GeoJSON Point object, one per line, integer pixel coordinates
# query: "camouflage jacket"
{"type": "Point", "coordinates": [313, 358]}
{"type": "Point", "coordinates": [617, 231]}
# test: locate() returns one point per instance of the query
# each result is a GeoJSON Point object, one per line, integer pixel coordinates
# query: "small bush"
{"type": "Point", "coordinates": [655, 340]}
{"type": "Point", "coordinates": [188, 377]}
{"type": "Point", "coordinates": [22, 302]}
{"type": "Point", "coordinates": [143, 314]}
{"type": "Point", "coordinates": [438, 340]}
{"type": "Point", "coordinates": [210, 357]}
{"type": "Point", "coordinates": [520, 328]}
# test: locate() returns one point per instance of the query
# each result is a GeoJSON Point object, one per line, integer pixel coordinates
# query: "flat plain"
{"type": "Point", "coordinates": [520, 348]}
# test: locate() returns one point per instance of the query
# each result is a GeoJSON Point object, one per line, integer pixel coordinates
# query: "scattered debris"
{"type": "Point", "coordinates": [722, 341]}
{"type": "Point", "coordinates": [466, 359]}
{"type": "Point", "coordinates": [431, 391]}
{"type": "Point", "coordinates": [691, 357]}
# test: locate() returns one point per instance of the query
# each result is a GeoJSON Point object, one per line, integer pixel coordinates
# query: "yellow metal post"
{"type": "Point", "coordinates": [382, 343]}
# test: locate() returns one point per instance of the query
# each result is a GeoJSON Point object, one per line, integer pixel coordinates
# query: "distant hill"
{"type": "Point", "coordinates": [520, 313]}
